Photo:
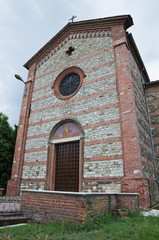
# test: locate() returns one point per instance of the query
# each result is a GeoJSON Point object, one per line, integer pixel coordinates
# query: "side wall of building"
{"type": "Point", "coordinates": [144, 130]}
{"type": "Point", "coordinates": [133, 180]}
{"type": "Point", "coordinates": [152, 91]}
{"type": "Point", "coordinates": [142, 121]}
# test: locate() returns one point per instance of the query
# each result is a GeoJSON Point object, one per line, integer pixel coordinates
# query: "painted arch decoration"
{"type": "Point", "coordinates": [67, 130]}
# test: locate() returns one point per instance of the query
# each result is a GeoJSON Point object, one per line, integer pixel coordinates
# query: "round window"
{"type": "Point", "coordinates": [68, 82]}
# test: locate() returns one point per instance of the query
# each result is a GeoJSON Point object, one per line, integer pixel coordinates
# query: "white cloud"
{"type": "Point", "coordinates": [153, 69]}
{"type": "Point", "coordinates": [26, 25]}
{"type": "Point", "coordinates": [35, 9]}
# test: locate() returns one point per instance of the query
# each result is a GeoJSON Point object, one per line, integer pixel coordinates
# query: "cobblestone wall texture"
{"type": "Point", "coordinates": [144, 128]}
{"type": "Point", "coordinates": [103, 168]}
{"type": "Point", "coordinates": [95, 107]}
{"type": "Point", "coordinates": [153, 102]}
{"type": "Point", "coordinates": [104, 186]}
{"type": "Point", "coordinates": [142, 120]}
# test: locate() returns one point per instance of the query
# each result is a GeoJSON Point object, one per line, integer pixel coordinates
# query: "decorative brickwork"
{"type": "Point", "coordinates": [75, 35]}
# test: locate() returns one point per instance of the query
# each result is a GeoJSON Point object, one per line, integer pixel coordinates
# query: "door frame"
{"type": "Point", "coordinates": [51, 156]}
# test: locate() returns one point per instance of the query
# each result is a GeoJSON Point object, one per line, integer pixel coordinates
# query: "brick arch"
{"type": "Point", "coordinates": [53, 143]}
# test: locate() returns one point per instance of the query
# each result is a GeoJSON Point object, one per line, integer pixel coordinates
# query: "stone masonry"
{"type": "Point", "coordinates": [98, 64]}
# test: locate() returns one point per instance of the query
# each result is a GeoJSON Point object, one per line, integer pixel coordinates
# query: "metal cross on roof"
{"type": "Point", "coordinates": [72, 18]}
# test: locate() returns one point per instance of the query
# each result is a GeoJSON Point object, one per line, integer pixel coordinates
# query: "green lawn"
{"type": "Point", "coordinates": [135, 227]}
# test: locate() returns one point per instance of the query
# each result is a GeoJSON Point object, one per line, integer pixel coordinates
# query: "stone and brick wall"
{"type": "Point", "coordinates": [144, 128]}
{"type": "Point", "coordinates": [142, 121]}
{"type": "Point", "coordinates": [75, 207]}
{"type": "Point", "coordinates": [13, 187]}
{"type": "Point", "coordinates": [95, 107]}
{"type": "Point", "coordinates": [152, 90]}
{"type": "Point", "coordinates": [144, 133]}
{"type": "Point", "coordinates": [138, 170]}
{"type": "Point", "coordinates": [10, 204]}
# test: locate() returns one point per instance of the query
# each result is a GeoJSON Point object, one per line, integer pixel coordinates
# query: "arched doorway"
{"type": "Point", "coordinates": [64, 166]}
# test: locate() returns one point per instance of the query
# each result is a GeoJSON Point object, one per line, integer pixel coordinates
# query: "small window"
{"type": "Point", "coordinates": [68, 82]}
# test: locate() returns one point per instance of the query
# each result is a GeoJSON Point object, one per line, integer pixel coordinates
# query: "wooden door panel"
{"type": "Point", "coordinates": [67, 167]}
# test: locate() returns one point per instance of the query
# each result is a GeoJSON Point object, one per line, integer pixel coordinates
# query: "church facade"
{"type": "Point", "coordinates": [84, 123]}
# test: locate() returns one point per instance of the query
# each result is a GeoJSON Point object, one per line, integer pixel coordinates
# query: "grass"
{"type": "Point", "coordinates": [135, 227]}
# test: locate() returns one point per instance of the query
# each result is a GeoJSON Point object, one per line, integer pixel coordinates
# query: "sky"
{"type": "Point", "coordinates": [27, 25]}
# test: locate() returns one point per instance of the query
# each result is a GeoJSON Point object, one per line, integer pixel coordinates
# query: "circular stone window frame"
{"type": "Point", "coordinates": [62, 75]}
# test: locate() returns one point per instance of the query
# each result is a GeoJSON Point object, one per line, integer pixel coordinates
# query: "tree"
{"type": "Point", "coordinates": [7, 144]}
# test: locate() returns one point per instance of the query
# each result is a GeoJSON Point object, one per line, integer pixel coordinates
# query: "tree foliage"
{"type": "Point", "coordinates": [7, 144]}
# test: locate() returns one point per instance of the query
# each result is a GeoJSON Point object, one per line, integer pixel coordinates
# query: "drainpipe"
{"type": "Point", "coordinates": [153, 152]}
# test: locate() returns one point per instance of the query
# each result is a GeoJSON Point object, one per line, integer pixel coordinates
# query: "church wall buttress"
{"type": "Point", "coordinates": [133, 169]}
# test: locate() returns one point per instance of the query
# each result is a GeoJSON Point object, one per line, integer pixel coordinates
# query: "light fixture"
{"type": "Point", "coordinates": [19, 78]}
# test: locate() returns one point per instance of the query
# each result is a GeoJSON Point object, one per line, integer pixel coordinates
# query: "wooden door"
{"type": "Point", "coordinates": [67, 167]}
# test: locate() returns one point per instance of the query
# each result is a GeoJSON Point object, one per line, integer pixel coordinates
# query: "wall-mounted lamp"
{"type": "Point", "coordinates": [20, 79]}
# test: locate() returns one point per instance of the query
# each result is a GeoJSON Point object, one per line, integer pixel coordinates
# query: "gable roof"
{"type": "Point", "coordinates": [88, 25]}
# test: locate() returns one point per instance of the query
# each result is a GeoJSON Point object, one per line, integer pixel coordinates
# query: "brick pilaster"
{"type": "Point", "coordinates": [130, 135]}
{"type": "Point", "coordinates": [13, 187]}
